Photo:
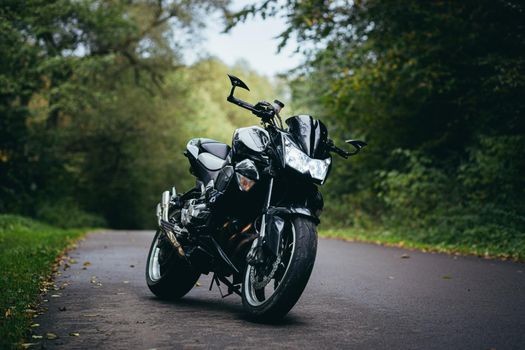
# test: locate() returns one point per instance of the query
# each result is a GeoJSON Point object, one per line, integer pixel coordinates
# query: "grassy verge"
{"type": "Point", "coordinates": [28, 250]}
{"type": "Point", "coordinates": [500, 249]}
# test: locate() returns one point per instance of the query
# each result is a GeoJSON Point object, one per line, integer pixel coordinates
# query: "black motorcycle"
{"type": "Point", "coordinates": [251, 218]}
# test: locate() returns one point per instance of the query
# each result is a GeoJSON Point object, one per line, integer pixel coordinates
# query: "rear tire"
{"type": "Point", "coordinates": [291, 285]}
{"type": "Point", "coordinates": [168, 276]}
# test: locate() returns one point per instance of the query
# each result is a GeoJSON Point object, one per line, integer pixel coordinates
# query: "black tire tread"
{"type": "Point", "coordinates": [176, 283]}
{"type": "Point", "coordinates": [296, 278]}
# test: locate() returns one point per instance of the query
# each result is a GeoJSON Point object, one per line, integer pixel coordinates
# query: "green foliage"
{"type": "Point", "coordinates": [27, 250]}
{"type": "Point", "coordinates": [65, 213]}
{"type": "Point", "coordinates": [415, 191]}
{"type": "Point", "coordinates": [95, 109]}
{"type": "Point", "coordinates": [437, 89]}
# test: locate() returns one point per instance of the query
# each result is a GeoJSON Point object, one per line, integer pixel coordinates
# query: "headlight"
{"type": "Point", "coordinates": [298, 160]}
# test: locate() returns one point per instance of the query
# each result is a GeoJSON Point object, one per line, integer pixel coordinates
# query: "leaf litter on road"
{"type": "Point", "coordinates": [51, 336]}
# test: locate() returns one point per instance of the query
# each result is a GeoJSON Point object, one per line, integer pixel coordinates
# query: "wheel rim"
{"type": "Point", "coordinates": [153, 263]}
{"type": "Point", "coordinates": [258, 297]}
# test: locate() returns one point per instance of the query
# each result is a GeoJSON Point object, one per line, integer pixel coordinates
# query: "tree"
{"type": "Point", "coordinates": [62, 58]}
{"type": "Point", "coordinates": [434, 87]}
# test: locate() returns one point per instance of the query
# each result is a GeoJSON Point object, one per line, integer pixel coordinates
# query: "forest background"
{"type": "Point", "coordinates": [96, 107]}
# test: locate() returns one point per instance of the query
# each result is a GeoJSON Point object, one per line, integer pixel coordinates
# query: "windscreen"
{"type": "Point", "coordinates": [310, 134]}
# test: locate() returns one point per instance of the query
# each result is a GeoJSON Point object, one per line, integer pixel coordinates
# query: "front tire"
{"type": "Point", "coordinates": [168, 276]}
{"type": "Point", "coordinates": [293, 278]}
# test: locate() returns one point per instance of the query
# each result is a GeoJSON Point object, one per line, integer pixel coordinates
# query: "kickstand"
{"type": "Point", "coordinates": [231, 288]}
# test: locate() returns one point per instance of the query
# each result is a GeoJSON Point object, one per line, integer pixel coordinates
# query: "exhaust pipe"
{"type": "Point", "coordinates": [165, 225]}
{"type": "Point", "coordinates": [165, 205]}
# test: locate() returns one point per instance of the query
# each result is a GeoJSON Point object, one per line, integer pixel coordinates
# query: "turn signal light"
{"type": "Point", "coordinates": [245, 184]}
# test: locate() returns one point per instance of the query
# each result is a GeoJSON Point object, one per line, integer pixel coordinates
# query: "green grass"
{"type": "Point", "coordinates": [28, 250]}
{"type": "Point", "coordinates": [497, 248]}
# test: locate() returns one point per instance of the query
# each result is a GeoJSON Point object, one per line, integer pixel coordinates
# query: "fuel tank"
{"type": "Point", "coordinates": [249, 142]}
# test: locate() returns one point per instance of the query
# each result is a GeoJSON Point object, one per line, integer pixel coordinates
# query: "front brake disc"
{"type": "Point", "coordinates": [267, 278]}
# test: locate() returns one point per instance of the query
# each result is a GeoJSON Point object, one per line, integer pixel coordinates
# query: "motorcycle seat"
{"type": "Point", "coordinates": [212, 154]}
{"type": "Point", "coordinates": [210, 161]}
{"type": "Point", "coordinates": [216, 148]}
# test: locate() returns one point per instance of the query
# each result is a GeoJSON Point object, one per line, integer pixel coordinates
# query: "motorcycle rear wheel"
{"type": "Point", "coordinates": [168, 276]}
{"type": "Point", "coordinates": [290, 279]}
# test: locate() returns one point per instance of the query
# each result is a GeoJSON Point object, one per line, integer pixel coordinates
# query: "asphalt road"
{"type": "Point", "coordinates": [360, 296]}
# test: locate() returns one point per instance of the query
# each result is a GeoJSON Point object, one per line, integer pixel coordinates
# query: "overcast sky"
{"type": "Point", "coordinates": [254, 41]}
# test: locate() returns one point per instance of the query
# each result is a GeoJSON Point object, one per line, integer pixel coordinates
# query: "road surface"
{"type": "Point", "coordinates": [360, 296]}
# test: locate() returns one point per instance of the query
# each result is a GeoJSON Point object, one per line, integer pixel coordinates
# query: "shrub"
{"type": "Point", "coordinates": [67, 214]}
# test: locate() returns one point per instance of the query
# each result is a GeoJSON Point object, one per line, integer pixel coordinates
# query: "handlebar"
{"type": "Point", "coordinates": [259, 109]}
{"type": "Point", "coordinates": [264, 110]}
{"type": "Point", "coordinates": [267, 112]}
{"type": "Point", "coordinates": [341, 152]}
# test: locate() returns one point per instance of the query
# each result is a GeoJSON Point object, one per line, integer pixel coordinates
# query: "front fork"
{"type": "Point", "coordinates": [255, 255]}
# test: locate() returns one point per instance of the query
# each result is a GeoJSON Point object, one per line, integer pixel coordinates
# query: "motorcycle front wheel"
{"type": "Point", "coordinates": [168, 275]}
{"type": "Point", "coordinates": [272, 301]}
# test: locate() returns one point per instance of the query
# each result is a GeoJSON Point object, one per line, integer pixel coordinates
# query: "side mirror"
{"type": "Point", "coordinates": [358, 145]}
{"type": "Point", "coordinates": [236, 82]}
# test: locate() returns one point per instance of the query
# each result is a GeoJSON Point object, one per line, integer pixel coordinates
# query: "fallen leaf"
{"type": "Point", "coordinates": [446, 277]}
{"type": "Point", "coordinates": [72, 261]}
{"type": "Point", "coordinates": [37, 336]}
{"type": "Point", "coordinates": [74, 334]}
{"type": "Point", "coordinates": [34, 325]}
{"type": "Point", "coordinates": [197, 284]}
{"type": "Point", "coordinates": [55, 295]}
{"type": "Point", "coordinates": [405, 256]}
{"type": "Point", "coordinates": [51, 336]}
{"type": "Point", "coordinates": [390, 277]}
{"type": "Point", "coordinates": [126, 282]}
{"type": "Point", "coordinates": [8, 313]}
{"type": "Point", "coordinates": [28, 345]}
{"type": "Point", "coordinates": [87, 263]}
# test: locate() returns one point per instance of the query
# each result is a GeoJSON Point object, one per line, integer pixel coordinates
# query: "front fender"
{"type": "Point", "coordinates": [287, 211]}
{"type": "Point", "coordinates": [275, 223]}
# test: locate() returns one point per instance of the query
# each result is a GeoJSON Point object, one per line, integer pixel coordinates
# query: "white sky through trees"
{"type": "Point", "coordinates": [253, 41]}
